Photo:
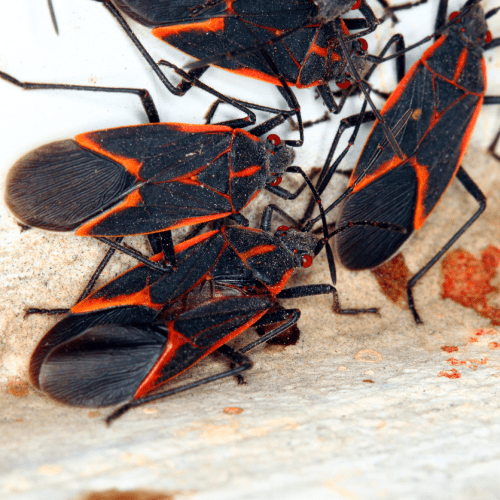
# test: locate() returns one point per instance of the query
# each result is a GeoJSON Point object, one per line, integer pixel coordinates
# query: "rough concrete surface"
{"type": "Point", "coordinates": [359, 408]}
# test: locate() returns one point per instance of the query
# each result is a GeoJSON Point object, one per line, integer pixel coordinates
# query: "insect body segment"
{"type": "Point", "coordinates": [142, 179]}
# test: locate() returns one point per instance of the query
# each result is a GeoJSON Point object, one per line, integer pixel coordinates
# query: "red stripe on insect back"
{"type": "Point", "coordinates": [259, 250]}
{"type": "Point", "coordinates": [175, 340]}
{"type": "Point", "coordinates": [379, 172]}
{"type": "Point", "coordinates": [200, 129]}
{"type": "Point", "coordinates": [258, 75]}
{"type": "Point", "coordinates": [460, 65]}
{"type": "Point", "coordinates": [164, 32]}
{"type": "Point", "coordinates": [196, 220]}
{"type": "Point", "coordinates": [140, 298]}
{"type": "Point", "coordinates": [193, 241]}
{"type": "Point", "coordinates": [134, 199]}
{"type": "Point", "coordinates": [422, 187]}
{"type": "Point", "coordinates": [131, 165]}
{"type": "Point", "coordinates": [275, 289]}
{"type": "Point", "coordinates": [247, 172]}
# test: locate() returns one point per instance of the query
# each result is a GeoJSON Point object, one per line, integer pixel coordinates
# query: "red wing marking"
{"type": "Point", "coordinates": [259, 250]}
{"type": "Point", "coordinates": [460, 65]}
{"type": "Point", "coordinates": [275, 289]}
{"type": "Point", "coordinates": [422, 187]}
{"type": "Point", "coordinates": [215, 24]}
{"type": "Point", "coordinates": [247, 172]}
{"type": "Point", "coordinates": [134, 199]}
{"type": "Point", "coordinates": [379, 172]}
{"type": "Point", "coordinates": [193, 241]}
{"type": "Point", "coordinates": [191, 181]}
{"type": "Point", "coordinates": [131, 165]}
{"type": "Point", "coordinates": [197, 220]}
{"type": "Point", "coordinates": [252, 198]}
{"type": "Point", "coordinates": [141, 298]}
{"type": "Point", "coordinates": [430, 51]}
{"type": "Point", "coordinates": [200, 129]}
{"type": "Point", "coordinates": [258, 75]}
{"type": "Point", "coordinates": [175, 340]}
{"type": "Point", "coordinates": [345, 31]}
{"type": "Point", "coordinates": [316, 49]}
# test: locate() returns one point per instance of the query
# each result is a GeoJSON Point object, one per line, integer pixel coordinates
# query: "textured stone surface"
{"type": "Point", "coordinates": [359, 408]}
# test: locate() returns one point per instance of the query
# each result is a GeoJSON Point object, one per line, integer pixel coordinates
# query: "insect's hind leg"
{"type": "Point", "coordinates": [478, 195]}
{"type": "Point", "coordinates": [86, 291]}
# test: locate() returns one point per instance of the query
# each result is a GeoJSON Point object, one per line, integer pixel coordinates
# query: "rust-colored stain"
{"type": "Point", "coordinates": [454, 361]}
{"type": "Point", "coordinates": [369, 381]}
{"type": "Point", "coordinates": [392, 278]}
{"type": "Point", "coordinates": [493, 345]}
{"type": "Point", "coordinates": [471, 362]}
{"type": "Point", "coordinates": [232, 410]}
{"type": "Point", "coordinates": [449, 348]}
{"type": "Point", "coordinates": [473, 339]}
{"type": "Point", "coordinates": [482, 331]}
{"type": "Point", "coordinates": [453, 373]}
{"type": "Point", "coordinates": [127, 495]}
{"type": "Point", "coordinates": [18, 387]}
{"type": "Point", "coordinates": [94, 414]}
{"type": "Point", "coordinates": [467, 280]}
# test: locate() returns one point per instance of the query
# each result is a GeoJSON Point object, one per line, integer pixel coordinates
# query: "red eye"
{"type": "Point", "coordinates": [283, 229]}
{"type": "Point", "coordinates": [364, 44]}
{"type": "Point", "coordinates": [276, 182]}
{"type": "Point", "coordinates": [356, 5]}
{"type": "Point", "coordinates": [344, 85]}
{"type": "Point", "coordinates": [488, 37]}
{"type": "Point", "coordinates": [307, 260]}
{"type": "Point", "coordinates": [454, 14]}
{"type": "Point", "coordinates": [275, 139]}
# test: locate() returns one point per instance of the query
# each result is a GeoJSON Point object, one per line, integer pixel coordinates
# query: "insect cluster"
{"type": "Point", "coordinates": [210, 276]}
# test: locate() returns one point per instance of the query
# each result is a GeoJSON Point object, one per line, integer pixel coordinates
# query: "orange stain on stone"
{"type": "Point", "coordinates": [18, 387]}
{"type": "Point", "coordinates": [453, 373]}
{"type": "Point", "coordinates": [449, 348]}
{"type": "Point", "coordinates": [232, 410]}
{"type": "Point", "coordinates": [392, 278]}
{"type": "Point", "coordinates": [467, 280]}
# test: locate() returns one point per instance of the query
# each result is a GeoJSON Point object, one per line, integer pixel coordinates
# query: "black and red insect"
{"type": "Point", "coordinates": [145, 179]}
{"type": "Point", "coordinates": [161, 324]}
{"type": "Point", "coordinates": [446, 89]}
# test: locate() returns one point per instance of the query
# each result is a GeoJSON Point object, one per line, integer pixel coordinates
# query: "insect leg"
{"type": "Point", "coordinates": [145, 97]}
{"type": "Point", "coordinates": [309, 290]}
{"type": "Point", "coordinates": [478, 195]}
{"type": "Point", "coordinates": [239, 359]}
{"type": "Point", "coordinates": [86, 291]}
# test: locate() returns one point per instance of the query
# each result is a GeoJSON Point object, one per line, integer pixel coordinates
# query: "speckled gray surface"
{"type": "Point", "coordinates": [360, 408]}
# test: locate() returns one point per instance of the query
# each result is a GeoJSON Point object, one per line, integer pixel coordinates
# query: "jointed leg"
{"type": "Point", "coordinates": [478, 195]}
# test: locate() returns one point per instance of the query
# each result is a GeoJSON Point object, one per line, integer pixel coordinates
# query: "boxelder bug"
{"type": "Point", "coordinates": [144, 328]}
{"type": "Point", "coordinates": [145, 179]}
{"type": "Point", "coordinates": [446, 89]}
